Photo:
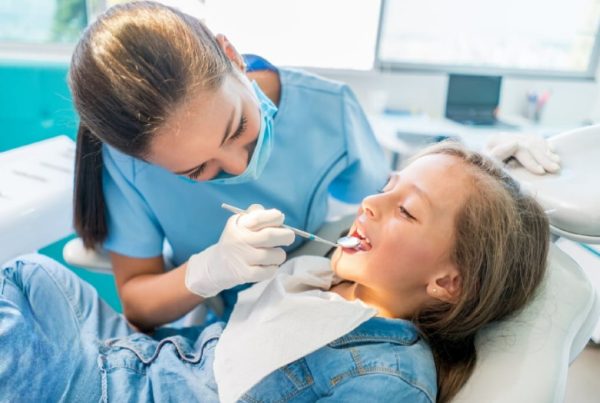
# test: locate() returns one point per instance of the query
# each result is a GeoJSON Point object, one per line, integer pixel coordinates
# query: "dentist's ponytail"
{"type": "Point", "coordinates": [88, 198]}
{"type": "Point", "coordinates": [135, 65]}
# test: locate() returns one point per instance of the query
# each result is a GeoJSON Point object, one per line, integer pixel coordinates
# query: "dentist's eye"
{"type": "Point", "coordinates": [391, 178]}
{"type": "Point", "coordinates": [406, 213]}
{"type": "Point", "coordinates": [197, 172]}
{"type": "Point", "coordinates": [385, 187]}
{"type": "Point", "coordinates": [241, 128]}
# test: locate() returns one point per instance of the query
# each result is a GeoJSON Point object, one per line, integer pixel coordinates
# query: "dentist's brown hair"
{"type": "Point", "coordinates": [131, 68]}
{"type": "Point", "coordinates": [502, 239]}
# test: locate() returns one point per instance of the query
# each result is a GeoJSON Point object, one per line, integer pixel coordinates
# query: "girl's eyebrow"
{"type": "Point", "coordinates": [422, 194]}
{"type": "Point", "coordinates": [419, 191]}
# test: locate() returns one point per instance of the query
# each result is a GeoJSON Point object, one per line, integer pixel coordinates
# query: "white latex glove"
{"type": "Point", "coordinates": [532, 151]}
{"type": "Point", "coordinates": [248, 251]}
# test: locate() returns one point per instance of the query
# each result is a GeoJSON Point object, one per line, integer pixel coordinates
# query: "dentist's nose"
{"type": "Point", "coordinates": [235, 162]}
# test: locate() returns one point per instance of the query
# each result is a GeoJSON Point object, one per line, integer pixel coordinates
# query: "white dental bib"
{"type": "Point", "coordinates": [278, 321]}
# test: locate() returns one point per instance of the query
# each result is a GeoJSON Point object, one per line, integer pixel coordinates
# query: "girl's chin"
{"type": "Point", "coordinates": [334, 259]}
{"type": "Point", "coordinates": [341, 265]}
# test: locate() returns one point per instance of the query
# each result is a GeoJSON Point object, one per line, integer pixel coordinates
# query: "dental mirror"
{"type": "Point", "coordinates": [349, 242]}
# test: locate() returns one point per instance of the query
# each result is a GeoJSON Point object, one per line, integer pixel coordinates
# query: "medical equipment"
{"type": "Point", "coordinates": [348, 242]}
{"type": "Point", "coordinates": [344, 242]}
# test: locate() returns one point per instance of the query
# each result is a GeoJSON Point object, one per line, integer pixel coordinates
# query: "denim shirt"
{"type": "Point", "coordinates": [293, 315]}
{"type": "Point", "coordinates": [382, 360]}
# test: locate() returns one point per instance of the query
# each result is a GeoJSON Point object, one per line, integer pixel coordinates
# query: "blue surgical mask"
{"type": "Point", "coordinates": [262, 150]}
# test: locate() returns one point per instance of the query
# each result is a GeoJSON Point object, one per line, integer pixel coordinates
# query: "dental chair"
{"type": "Point", "coordinates": [524, 358]}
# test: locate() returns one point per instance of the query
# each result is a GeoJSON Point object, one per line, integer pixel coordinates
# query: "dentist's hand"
{"type": "Point", "coordinates": [533, 152]}
{"type": "Point", "coordinates": [248, 251]}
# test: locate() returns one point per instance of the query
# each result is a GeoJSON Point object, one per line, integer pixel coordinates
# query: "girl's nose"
{"type": "Point", "coordinates": [369, 207]}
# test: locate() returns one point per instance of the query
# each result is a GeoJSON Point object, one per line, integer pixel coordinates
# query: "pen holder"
{"type": "Point", "coordinates": [536, 102]}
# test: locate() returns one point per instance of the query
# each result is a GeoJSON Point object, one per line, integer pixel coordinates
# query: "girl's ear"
{"type": "Point", "coordinates": [445, 286]}
{"type": "Point", "coordinates": [231, 52]}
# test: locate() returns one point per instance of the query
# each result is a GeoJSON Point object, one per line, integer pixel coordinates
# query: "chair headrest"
{"type": "Point", "coordinates": [525, 357]}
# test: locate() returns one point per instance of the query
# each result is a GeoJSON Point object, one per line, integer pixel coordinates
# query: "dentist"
{"type": "Point", "coordinates": [173, 122]}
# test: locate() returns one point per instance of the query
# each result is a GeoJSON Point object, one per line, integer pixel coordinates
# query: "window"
{"type": "Point", "coordinates": [41, 22]}
{"type": "Point", "coordinates": [556, 38]}
{"type": "Point", "coordinates": [332, 33]}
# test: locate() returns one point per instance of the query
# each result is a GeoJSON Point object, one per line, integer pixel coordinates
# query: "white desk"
{"type": "Point", "coordinates": [389, 129]}
{"type": "Point", "coordinates": [36, 189]}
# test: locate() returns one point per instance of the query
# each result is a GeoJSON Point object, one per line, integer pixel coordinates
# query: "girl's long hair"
{"type": "Point", "coordinates": [502, 239]}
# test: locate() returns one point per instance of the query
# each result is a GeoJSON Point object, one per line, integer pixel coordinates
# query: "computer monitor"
{"type": "Point", "coordinates": [473, 99]}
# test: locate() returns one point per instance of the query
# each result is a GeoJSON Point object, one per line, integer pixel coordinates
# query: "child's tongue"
{"type": "Point", "coordinates": [365, 245]}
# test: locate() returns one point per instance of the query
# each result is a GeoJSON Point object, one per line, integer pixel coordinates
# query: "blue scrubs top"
{"type": "Point", "coordinates": [322, 144]}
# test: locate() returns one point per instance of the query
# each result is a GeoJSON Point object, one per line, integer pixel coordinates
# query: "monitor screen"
{"type": "Point", "coordinates": [473, 90]}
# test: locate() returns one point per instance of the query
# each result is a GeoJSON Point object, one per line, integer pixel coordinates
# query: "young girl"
{"type": "Point", "coordinates": [448, 246]}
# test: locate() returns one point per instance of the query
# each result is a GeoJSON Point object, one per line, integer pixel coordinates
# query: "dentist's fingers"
{"type": "Point", "coordinates": [269, 237]}
{"type": "Point", "coordinates": [254, 207]}
{"type": "Point", "coordinates": [505, 150]}
{"type": "Point", "coordinates": [552, 151]}
{"type": "Point", "coordinates": [258, 219]}
{"type": "Point", "coordinates": [529, 162]}
{"type": "Point", "coordinates": [555, 157]}
{"type": "Point", "coordinates": [267, 257]}
{"type": "Point", "coordinates": [543, 158]}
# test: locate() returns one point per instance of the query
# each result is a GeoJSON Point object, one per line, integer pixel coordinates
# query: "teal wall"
{"type": "Point", "coordinates": [35, 104]}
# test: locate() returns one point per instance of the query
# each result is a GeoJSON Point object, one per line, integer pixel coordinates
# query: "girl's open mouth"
{"type": "Point", "coordinates": [365, 242]}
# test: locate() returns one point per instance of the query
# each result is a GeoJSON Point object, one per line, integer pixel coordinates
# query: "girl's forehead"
{"type": "Point", "coordinates": [445, 179]}
{"type": "Point", "coordinates": [436, 169]}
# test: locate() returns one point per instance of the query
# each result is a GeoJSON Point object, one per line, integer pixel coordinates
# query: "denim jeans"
{"type": "Point", "coordinates": [60, 342]}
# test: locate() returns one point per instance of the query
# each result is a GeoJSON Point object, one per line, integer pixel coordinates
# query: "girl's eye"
{"type": "Point", "coordinates": [406, 213]}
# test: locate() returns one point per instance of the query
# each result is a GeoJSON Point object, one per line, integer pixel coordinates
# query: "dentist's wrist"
{"type": "Point", "coordinates": [198, 276]}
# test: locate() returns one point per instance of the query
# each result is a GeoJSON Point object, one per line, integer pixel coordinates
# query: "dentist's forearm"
{"type": "Point", "coordinates": [151, 300]}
